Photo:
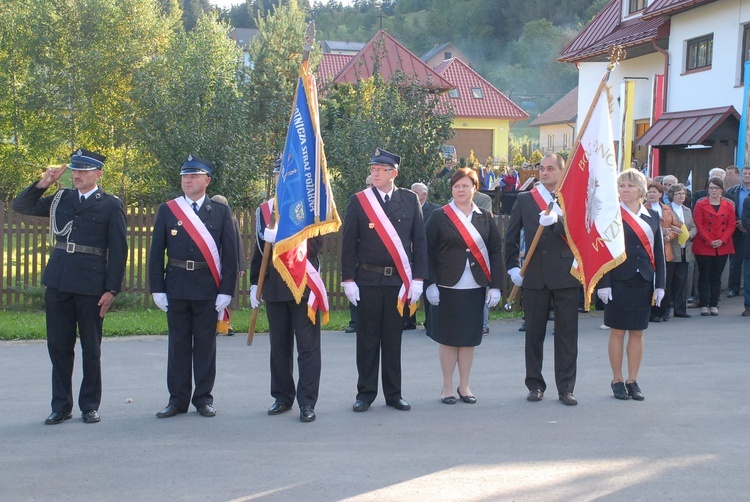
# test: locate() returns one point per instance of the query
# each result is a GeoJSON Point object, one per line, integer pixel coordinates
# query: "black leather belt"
{"type": "Point", "coordinates": [387, 271]}
{"type": "Point", "coordinates": [188, 264]}
{"type": "Point", "coordinates": [72, 247]}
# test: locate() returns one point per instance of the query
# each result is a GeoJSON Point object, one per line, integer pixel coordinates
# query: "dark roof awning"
{"type": "Point", "coordinates": [691, 127]}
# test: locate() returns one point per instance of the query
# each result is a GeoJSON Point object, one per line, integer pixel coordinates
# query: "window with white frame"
{"type": "Point", "coordinates": [550, 142]}
{"type": "Point", "coordinates": [745, 54]}
{"type": "Point", "coordinates": [636, 6]}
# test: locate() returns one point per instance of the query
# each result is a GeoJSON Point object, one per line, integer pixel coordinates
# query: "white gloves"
{"type": "Point", "coordinates": [515, 276]}
{"type": "Point", "coordinates": [222, 302]}
{"type": "Point", "coordinates": [254, 302]}
{"type": "Point", "coordinates": [493, 297]}
{"type": "Point", "coordinates": [546, 220]}
{"type": "Point", "coordinates": [605, 294]}
{"type": "Point", "coordinates": [433, 294]}
{"type": "Point", "coordinates": [160, 299]}
{"type": "Point", "coordinates": [659, 296]}
{"type": "Point", "coordinates": [269, 235]}
{"type": "Point", "coordinates": [417, 287]}
{"type": "Point", "coordinates": [351, 290]}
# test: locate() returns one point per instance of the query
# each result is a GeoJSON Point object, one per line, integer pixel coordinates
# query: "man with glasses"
{"type": "Point", "coordinates": [384, 261]}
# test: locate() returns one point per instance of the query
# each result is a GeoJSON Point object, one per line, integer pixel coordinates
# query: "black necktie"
{"type": "Point", "coordinates": [195, 207]}
{"type": "Point", "coordinates": [387, 198]}
{"type": "Point", "coordinates": [83, 199]}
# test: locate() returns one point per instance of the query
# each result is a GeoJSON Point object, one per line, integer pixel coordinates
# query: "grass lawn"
{"type": "Point", "coordinates": [30, 324]}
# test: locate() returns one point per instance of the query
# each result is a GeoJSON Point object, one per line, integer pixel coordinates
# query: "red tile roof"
{"type": "Point", "coordinates": [607, 29]}
{"type": "Point", "coordinates": [494, 103]}
{"type": "Point", "coordinates": [396, 57]}
{"type": "Point", "coordinates": [563, 111]}
{"type": "Point", "coordinates": [330, 66]}
{"type": "Point", "coordinates": [690, 127]}
{"type": "Point", "coordinates": [669, 7]}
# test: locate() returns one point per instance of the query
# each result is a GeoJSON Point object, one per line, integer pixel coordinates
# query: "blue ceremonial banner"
{"type": "Point", "coordinates": [304, 200]}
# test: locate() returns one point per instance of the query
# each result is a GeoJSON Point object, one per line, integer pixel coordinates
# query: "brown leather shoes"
{"type": "Point", "coordinates": [568, 399]}
{"type": "Point", "coordinates": [535, 395]}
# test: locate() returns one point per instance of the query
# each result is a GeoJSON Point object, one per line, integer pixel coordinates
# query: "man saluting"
{"type": "Point", "coordinates": [384, 259]}
{"type": "Point", "coordinates": [83, 276]}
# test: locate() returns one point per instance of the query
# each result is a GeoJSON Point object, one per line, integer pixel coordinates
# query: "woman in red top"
{"type": "Point", "coordinates": [715, 219]}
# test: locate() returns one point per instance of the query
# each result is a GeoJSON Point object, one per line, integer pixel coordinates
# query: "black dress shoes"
{"type": "Point", "coordinates": [466, 399]}
{"type": "Point", "coordinates": [278, 408]}
{"type": "Point", "coordinates": [448, 400]}
{"type": "Point", "coordinates": [686, 316]}
{"type": "Point", "coordinates": [169, 411]}
{"type": "Point", "coordinates": [207, 410]}
{"type": "Point", "coordinates": [360, 406]}
{"type": "Point", "coordinates": [655, 319]}
{"type": "Point", "coordinates": [399, 404]}
{"type": "Point", "coordinates": [618, 389]}
{"type": "Point", "coordinates": [535, 395]}
{"type": "Point", "coordinates": [58, 417]}
{"type": "Point", "coordinates": [568, 399]}
{"type": "Point", "coordinates": [91, 417]}
{"type": "Point", "coordinates": [634, 391]}
{"type": "Point", "coordinates": [307, 413]}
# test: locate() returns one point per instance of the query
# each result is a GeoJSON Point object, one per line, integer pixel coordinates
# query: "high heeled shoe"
{"type": "Point", "coordinates": [619, 390]}
{"type": "Point", "coordinates": [466, 399]}
{"type": "Point", "coordinates": [635, 391]}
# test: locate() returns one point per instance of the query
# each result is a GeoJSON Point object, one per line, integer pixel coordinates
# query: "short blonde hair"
{"type": "Point", "coordinates": [635, 177]}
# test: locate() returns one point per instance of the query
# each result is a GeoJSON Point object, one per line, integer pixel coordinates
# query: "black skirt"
{"type": "Point", "coordinates": [630, 306]}
{"type": "Point", "coordinates": [457, 320]}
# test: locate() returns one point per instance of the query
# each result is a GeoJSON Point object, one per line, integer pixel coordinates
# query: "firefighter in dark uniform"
{"type": "Point", "coordinates": [372, 283]}
{"type": "Point", "coordinates": [184, 286]}
{"type": "Point", "coordinates": [83, 275]}
{"type": "Point", "coordinates": [288, 320]}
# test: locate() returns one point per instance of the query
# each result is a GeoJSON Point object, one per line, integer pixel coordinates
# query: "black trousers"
{"type": "Point", "coordinates": [536, 305]}
{"type": "Point", "coordinates": [287, 321]}
{"type": "Point", "coordinates": [66, 312]}
{"type": "Point", "coordinates": [192, 351]}
{"type": "Point", "coordinates": [379, 329]}
{"type": "Point", "coordinates": [710, 269]}
{"type": "Point", "coordinates": [676, 291]}
{"type": "Point", "coordinates": [735, 261]}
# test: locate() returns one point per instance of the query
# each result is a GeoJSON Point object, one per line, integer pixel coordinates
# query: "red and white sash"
{"type": "Point", "coordinates": [641, 228]}
{"type": "Point", "coordinates": [318, 298]}
{"type": "Point", "coordinates": [197, 231]}
{"type": "Point", "coordinates": [392, 242]}
{"type": "Point", "coordinates": [543, 199]}
{"type": "Point", "coordinates": [471, 236]}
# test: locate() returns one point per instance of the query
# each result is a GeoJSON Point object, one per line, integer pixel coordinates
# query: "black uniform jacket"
{"type": "Point", "coordinates": [99, 222]}
{"type": "Point", "coordinates": [274, 287]}
{"type": "Point", "coordinates": [552, 259]}
{"type": "Point", "coordinates": [638, 260]}
{"type": "Point", "coordinates": [170, 236]}
{"type": "Point", "coordinates": [361, 243]}
{"type": "Point", "coordinates": [427, 210]}
{"type": "Point", "coordinates": [448, 251]}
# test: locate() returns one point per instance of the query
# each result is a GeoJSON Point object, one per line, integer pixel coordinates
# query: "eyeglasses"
{"type": "Point", "coordinates": [378, 170]}
{"type": "Point", "coordinates": [463, 187]}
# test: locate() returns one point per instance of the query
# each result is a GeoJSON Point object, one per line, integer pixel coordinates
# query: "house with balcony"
{"type": "Point", "coordinates": [685, 59]}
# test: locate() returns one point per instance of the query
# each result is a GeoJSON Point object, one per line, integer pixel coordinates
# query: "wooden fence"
{"type": "Point", "coordinates": [26, 247]}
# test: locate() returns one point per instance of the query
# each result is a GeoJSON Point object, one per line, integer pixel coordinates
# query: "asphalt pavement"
{"type": "Point", "coordinates": [687, 441]}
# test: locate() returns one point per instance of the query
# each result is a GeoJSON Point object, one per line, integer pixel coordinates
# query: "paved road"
{"type": "Point", "coordinates": [688, 440]}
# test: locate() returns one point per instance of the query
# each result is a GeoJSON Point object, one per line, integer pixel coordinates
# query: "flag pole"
{"type": "Point", "coordinates": [616, 54]}
{"type": "Point", "coordinates": [308, 46]}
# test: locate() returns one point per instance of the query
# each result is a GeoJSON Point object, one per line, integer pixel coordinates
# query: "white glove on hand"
{"type": "Point", "coordinates": [269, 235]}
{"type": "Point", "coordinates": [605, 294]}
{"type": "Point", "coordinates": [515, 276]}
{"type": "Point", "coordinates": [160, 299]}
{"type": "Point", "coordinates": [254, 302]}
{"type": "Point", "coordinates": [222, 302]}
{"type": "Point", "coordinates": [493, 297]}
{"type": "Point", "coordinates": [546, 220]}
{"type": "Point", "coordinates": [351, 290]}
{"type": "Point", "coordinates": [659, 296]}
{"type": "Point", "coordinates": [433, 294]}
{"type": "Point", "coordinates": [417, 287]}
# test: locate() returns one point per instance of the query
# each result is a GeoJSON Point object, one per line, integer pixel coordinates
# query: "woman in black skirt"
{"type": "Point", "coordinates": [629, 289]}
{"type": "Point", "coordinates": [465, 257]}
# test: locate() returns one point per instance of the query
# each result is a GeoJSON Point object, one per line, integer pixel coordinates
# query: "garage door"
{"type": "Point", "coordinates": [466, 140]}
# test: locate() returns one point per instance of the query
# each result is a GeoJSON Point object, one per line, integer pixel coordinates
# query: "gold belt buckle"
{"type": "Point", "coordinates": [189, 265]}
